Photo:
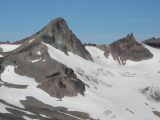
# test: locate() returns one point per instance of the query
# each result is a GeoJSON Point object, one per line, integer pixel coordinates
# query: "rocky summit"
{"type": "Point", "coordinates": [129, 49]}
{"type": "Point", "coordinates": [57, 34]}
{"type": "Point", "coordinates": [30, 57]}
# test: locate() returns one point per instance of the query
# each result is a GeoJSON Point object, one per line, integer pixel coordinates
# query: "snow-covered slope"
{"type": "Point", "coordinates": [113, 91]}
{"type": "Point", "coordinates": [8, 47]}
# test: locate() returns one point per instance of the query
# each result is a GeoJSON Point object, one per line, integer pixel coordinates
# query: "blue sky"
{"type": "Point", "coordinates": [95, 21]}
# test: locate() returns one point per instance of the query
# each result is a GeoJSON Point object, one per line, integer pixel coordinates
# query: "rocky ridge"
{"type": "Point", "coordinates": [154, 42]}
{"type": "Point", "coordinates": [125, 49]}
{"type": "Point", "coordinates": [58, 34]}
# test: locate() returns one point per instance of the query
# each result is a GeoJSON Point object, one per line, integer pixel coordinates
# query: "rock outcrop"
{"type": "Point", "coordinates": [129, 49]}
{"type": "Point", "coordinates": [125, 49]}
{"type": "Point", "coordinates": [153, 42]}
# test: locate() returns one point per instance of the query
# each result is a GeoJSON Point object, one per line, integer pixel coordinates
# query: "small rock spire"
{"type": "Point", "coordinates": [130, 36]}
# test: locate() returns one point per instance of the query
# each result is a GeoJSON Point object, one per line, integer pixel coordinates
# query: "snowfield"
{"type": "Point", "coordinates": [8, 47]}
{"type": "Point", "coordinates": [113, 91]}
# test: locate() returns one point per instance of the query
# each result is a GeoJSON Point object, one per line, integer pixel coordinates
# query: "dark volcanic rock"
{"type": "Point", "coordinates": [154, 42]}
{"type": "Point", "coordinates": [129, 49]}
{"type": "Point", "coordinates": [57, 34]}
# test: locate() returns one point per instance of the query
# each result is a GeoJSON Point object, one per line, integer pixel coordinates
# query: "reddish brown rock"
{"type": "Point", "coordinates": [129, 49]}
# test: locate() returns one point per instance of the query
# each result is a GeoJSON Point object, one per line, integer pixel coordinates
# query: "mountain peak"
{"type": "Point", "coordinates": [58, 35]}
{"type": "Point", "coordinates": [57, 23]}
{"type": "Point", "coordinates": [129, 48]}
{"type": "Point", "coordinates": [58, 20]}
{"type": "Point", "coordinates": [128, 40]}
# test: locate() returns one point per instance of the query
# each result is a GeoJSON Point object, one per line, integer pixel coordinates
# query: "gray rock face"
{"type": "Point", "coordinates": [154, 42]}
{"type": "Point", "coordinates": [54, 78]}
{"type": "Point", "coordinates": [57, 34]}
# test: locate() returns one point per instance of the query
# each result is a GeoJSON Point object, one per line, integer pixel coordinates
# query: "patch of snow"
{"type": "Point", "coordinates": [30, 41]}
{"type": "Point", "coordinates": [44, 116]}
{"type": "Point", "coordinates": [9, 76]}
{"type": "Point", "coordinates": [39, 53]}
{"type": "Point", "coordinates": [27, 118]}
{"type": "Point", "coordinates": [9, 47]}
{"type": "Point", "coordinates": [1, 55]}
{"type": "Point", "coordinates": [99, 58]}
{"type": "Point", "coordinates": [33, 61]}
{"type": "Point", "coordinates": [2, 108]}
{"type": "Point", "coordinates": [44, 60]}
